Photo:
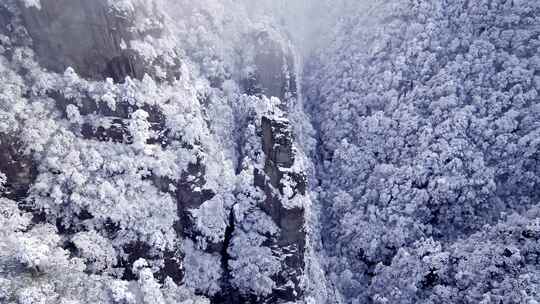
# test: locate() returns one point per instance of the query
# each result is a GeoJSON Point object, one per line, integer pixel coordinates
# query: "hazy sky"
{"type": "Point", "coordinates": [308, 21]}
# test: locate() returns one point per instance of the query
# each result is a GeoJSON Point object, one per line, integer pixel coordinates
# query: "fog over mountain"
{"type": "Point", "coordinates": [258, 151]}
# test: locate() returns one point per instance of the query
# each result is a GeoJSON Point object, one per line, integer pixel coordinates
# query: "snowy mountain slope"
{"type": "Point", "coordinates": [161, 162]}
{"type": "Point", "coordinates": [427, 116]}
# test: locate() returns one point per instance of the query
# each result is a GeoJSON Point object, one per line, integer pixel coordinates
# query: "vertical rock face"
{"type": "Point", "coordinates": [279, 174]}
{"type": "Point", "coordinates": [274, 67]}
{"type": "Point", "coordinates": [284, 185]}
{"type": "Point", "coordinates": [5, 19]}
{"type": "Point", "coordinates": [279, 197]}
{"type": "Point", "coordinates": [90, 36]}
{"type": "Point", "coordinates": [18, 167]}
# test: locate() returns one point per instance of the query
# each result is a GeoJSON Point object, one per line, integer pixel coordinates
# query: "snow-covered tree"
{"type": "Point", "coordinates": [425, 110]}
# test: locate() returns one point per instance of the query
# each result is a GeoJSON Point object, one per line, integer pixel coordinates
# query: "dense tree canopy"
{"type": "Point", "coordinates": [428, 125]}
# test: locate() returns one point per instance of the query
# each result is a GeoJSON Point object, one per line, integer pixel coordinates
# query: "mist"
{"type": "Point", "coordinates": [308, 22]}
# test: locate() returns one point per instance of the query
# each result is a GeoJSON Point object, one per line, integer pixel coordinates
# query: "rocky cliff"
{"type": "Point", "coordinates": [95, 38]}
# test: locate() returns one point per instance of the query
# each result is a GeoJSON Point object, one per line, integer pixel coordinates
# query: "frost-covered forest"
{"type": "Point", "coordinates": [259, 151]}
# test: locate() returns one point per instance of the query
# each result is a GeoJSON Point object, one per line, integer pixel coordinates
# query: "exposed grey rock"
{"type": "Point", "coordinates": [5, 20]}
{"type": "Point", "coordinates": [289, 244]}
{"type": "Point", "coordinates": [88, 36]}
{"type": "Point", "coordinates": [116, 130]}
{"type": "Point", "coordinates": [274, 74]}
{"type": "Point", "coordinates": [18, 167]}
{"type": "Point", "coordinates": [277, 142]}
{"type": "Point", "coordinates": [291, 241]}
{"type": "Point", "coordinates": [189, 197]}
